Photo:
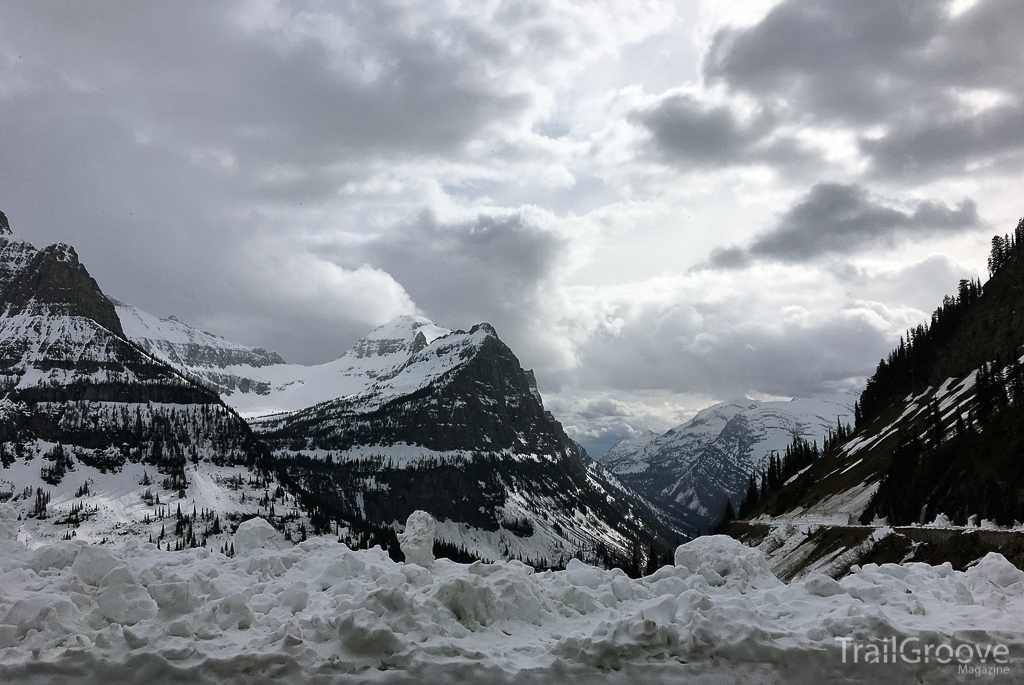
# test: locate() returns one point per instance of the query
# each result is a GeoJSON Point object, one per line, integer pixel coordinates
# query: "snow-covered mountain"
{"type": "Point", "coordinates": [690, 470]}
{"type": "Point", "coordinates": [212, 360]}
{"type": "Point", "coordinates": [111, 421]}
{"type": "Point", "coordinates": [449, 422]}
{"type": "Point", "coordinates": [95, 434]}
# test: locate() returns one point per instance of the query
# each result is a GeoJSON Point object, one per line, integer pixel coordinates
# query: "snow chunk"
{"type": "Point", "coordinates": [58, 555]}
{"type": "Point", "coordinates": [579, 573]}
{"type": "Point", "coordinates": [93, 563]}
{"type": "Point", "coordinates": [8, 522]}
{"type": "Point", "coordinates": [122, 600]}
{"type": "Point", "coordinates": [821, 585]}
{"type": "Point", "coordinates": [231, 612]}
{"type": "Point", "coordinates": [941, 521]}
{"type": "Point", "coordinates": [256, 533]}
{"type": "Point", "coordinates": [418, 539]}
{"type": "Point", "coordinates": [362, 632]}
{"type": "Point", "coordinates": [724, 561]}
{"type": "Point", "coordinates": [172, 598]}
{"type": "Point", "coordinates": [997, 573]}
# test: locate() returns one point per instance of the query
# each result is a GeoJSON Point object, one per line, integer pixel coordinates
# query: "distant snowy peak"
{"type": "Point", "coordinates": [184, 346]}
{"type": "Point", "coordinates": [393, 361]}
{"type": "Point", "coordinates": [624, 456]}
{"type": "Point", "coordinates": [405, 334]}
{"type": "Point", "coordinates": [691, 469]}
{"type": "Point", "coordinates": [715, 417]}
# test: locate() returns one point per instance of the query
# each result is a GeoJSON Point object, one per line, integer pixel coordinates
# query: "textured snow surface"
{"type": "Point", "coordinates": [319, 612]}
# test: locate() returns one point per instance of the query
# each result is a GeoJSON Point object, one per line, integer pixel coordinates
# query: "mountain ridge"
{"type": "Point", "coordinates": [691, 469]}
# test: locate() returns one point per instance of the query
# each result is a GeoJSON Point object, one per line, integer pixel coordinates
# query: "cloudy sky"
{"type": "Point", "coordinates": [658, 205]}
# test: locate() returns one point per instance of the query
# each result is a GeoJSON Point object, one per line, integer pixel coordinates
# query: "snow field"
{"type": "Point", "coordinates": [320, 612]}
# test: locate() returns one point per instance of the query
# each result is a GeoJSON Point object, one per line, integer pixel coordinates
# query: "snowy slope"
{"type": "Point", "coordinates": [319, 612]}
{"type": "Point", "coordinates": [691, 469]}
{"type": "Point", "coordinates": [839, 488]}
{"type": "Point", "coordinates": [179, 344]}
{"type": "Point", "coordinates": [259, 383]}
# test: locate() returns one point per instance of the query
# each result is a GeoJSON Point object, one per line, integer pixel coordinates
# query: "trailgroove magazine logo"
{"type": "Point", "coordinates": [970, 658]}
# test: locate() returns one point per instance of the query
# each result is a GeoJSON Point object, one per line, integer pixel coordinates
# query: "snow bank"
{"type": "Point", "coordinates": [314, 612]}
{"type": "Point", "coordinates": [724, 561]}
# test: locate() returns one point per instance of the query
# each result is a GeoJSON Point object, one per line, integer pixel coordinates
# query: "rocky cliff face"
{"type": "Point", "coordinates": [54, 283]}
{"type": "Point", "coordinates": [690, 471]}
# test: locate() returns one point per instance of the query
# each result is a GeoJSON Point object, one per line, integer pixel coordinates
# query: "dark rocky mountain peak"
{"type": "Point", "coordinates": [80, 403]}
{"type": "Point", "coordinates": [54, 282]}
{"type": "Point", "coordinates": [5, 226]}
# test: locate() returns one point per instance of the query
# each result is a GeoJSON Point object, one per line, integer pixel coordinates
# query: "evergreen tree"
{"type": "Point", "coordinates": [751, 499]}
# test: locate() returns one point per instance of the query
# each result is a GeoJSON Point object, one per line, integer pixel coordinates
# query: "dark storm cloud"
{"type": "Point", "coordinates": [489, 269]}
{"type": "Point", "coordinates": [840, 219]}
{"type": "Point", "coordinates": [907, 69]}
{"type": "Point", "coordinates": [683, 129]}
{"type": "Point", "coordinates": [996, 136]}
{"type": "Point", "coordinates": [828, 58]}
{"type": "Point", "coordinates": [267, 98]}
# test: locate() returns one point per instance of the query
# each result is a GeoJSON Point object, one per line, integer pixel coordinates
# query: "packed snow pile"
{"type": "Point", "coordinates": [417, 540]}
{"type": "Point", "coordinates": [70, 612]}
